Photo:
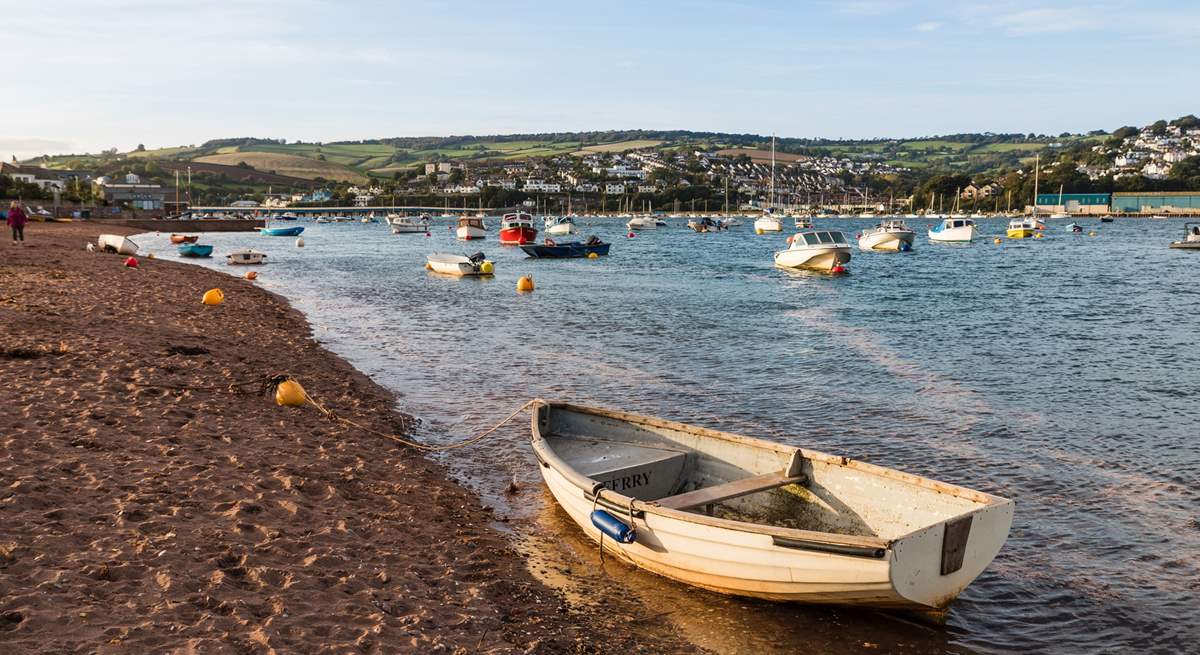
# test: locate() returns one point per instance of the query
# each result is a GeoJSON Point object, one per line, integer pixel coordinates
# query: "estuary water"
{"type": "Point", "coordinates": [1062, 372]}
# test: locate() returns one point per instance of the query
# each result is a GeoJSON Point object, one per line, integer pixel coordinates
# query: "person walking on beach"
{"type": "Point", "coordinates": [17, 220]}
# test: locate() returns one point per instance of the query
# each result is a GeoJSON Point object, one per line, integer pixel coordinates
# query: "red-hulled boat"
{"type": "Point", "coordinates": [517, 229]}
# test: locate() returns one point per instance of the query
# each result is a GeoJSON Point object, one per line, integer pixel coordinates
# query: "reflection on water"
{"type": "Point", "coordinates": [1060, 372]}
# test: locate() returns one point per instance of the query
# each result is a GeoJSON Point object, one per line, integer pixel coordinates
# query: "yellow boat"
{"type": "Point", "coordinates": [1022, 228]}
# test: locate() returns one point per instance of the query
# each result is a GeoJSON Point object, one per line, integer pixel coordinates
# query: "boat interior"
{"type": "Point", "coordinates": [727, 476]}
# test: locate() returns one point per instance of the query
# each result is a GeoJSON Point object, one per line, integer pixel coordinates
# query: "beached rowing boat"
{"type": "Point", "coordinates": [195, 250]}
{"type": "Point", "coordinates": [184, 238]}
{"type": "Point", "coordinates": [117, 243]}
{"type": "Point", "coordinates": [749, 517]}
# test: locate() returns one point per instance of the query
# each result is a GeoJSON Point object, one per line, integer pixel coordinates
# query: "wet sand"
{"type": "Point", "coordinates": [140, 512]}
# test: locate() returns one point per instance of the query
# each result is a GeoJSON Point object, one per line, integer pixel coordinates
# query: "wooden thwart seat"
{"type": "Point", "coordinates": [722, 492]}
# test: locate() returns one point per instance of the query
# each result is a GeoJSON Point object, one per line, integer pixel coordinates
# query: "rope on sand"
{"type": "Point", "coordinates": [414, 444]}
{"type": "Point", "coordinates": [267, 384]}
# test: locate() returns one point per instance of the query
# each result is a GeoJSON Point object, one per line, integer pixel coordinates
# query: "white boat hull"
{"type": "Point", "coordinates": [954, 234]}
{"type": "Point", "coordinates": [817, 258]}
{"type": "Point", "coordinates": [886, 241]}
{"type": "Point", "coordinates": [456, 265]}
{"type": "Point", "coordinates": [768, 224]}
{"type": "Point", "coordinates": [117, 243]}
{"type": "Point", "coordinates": [735, 558]}
{"type": "Point", "coordinates": [561, 229]}
{"type": "Point", "coordinates": [469, 232]}
{"type": "Point", "coordinates": [642, 224]}
{"type": "Point", "coordinates": [245, 258]}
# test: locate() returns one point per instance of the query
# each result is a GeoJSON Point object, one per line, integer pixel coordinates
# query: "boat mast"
{"type": "Point", "coordinates": [771, 193]}
{"type": "Point", "coordinates": [1037, 168]}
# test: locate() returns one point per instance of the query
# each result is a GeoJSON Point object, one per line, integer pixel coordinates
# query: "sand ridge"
{"type": "Point", "coordinates": [137, 517]}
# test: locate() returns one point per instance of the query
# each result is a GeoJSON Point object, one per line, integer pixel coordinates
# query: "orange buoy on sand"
{"type": "Point", "coordinates": [290, 394]}
{"type": "Point", "coordinates": [213, 297]}
{"type": "Point", "coordinates": [251, 275]}
{"type": "Point", "coordinates": [131, 262]}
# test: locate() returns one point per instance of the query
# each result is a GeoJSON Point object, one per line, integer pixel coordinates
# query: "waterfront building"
{"type": "Point", "coordinates": [1073, 203]}
{"type": "Point", "coordinates": [541, 186]}
{"type": "Point", "coordinates": [613, 188]}
{"type": "Point", "coordinates": [42, 177]}
{"type": "Point", "coordinates": [1156, 202]}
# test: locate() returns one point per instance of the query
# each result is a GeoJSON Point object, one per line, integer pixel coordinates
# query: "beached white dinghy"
{"type": "Point", "coordinates": [117, 243]}
{"type": "Point", "coordinates": [748, 517]}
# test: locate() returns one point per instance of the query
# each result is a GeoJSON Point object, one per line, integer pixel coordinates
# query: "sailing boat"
{"type": "Point", "coordinates": [1060, 214]}
{"type": "Point", "coordinates": [769, 222]}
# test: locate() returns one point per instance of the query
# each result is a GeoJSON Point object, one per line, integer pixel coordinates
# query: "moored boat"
{"type": "Point", "coordinates": [116, 243]}
{"type": "Point", "coordinates": [953, 230]}
{"type": "Point", "coordinates": [459, 265]}
{"type": "Point", "coordinates": [470, 227]}
{"type": "Point", "coordinates": [407, 224]}
{"type": "Point", "coordinates": [247, 256]}
{"type": "Point", "coordinates": [816, 250]}
{"type": "Point", "coordinates": [749, 517]}
{"type": "Point", "coordinates": [1191, 238]}
{"type": "Point", "coordinates": [185, 238]}
{"type": "Point", "coordinates": [890, 236]}
{"type": "Point", "coordinates": [570, 249]}
{"type": "Point", "coordinates": [195, 250]}
{"type": "Point", "coordinates": [768, 223]}
{"type": "Point", "coordinates": [642, 223]}
{"type": "Point", "coordinates": [1022, 228]}
{"type": "Point", "coordinates": [560, 226]}
{"type": "Point", "coordinates": [281, 231]}
{"type": "Point", "coordinates": [706, 224]}
{"type": "Point", "coordinates": [517, 229]}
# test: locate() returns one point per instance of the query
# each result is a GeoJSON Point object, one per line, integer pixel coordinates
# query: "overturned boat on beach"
{"type": "Point", "coordinates": [748, 517]}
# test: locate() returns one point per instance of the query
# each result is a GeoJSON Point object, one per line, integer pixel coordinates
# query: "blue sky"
{"type": "Point", "coordinates": [88, 75]}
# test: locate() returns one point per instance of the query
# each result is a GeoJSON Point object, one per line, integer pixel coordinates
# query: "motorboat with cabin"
{"type": "Point", "coordinates": [1022, 227]}
{"type": "Point", "coordinates": [517, 229]}
{"type": "Point", "coordinates": [749, 517]}
{"type": "Point", "coordinates": [804, 222]}
{"type": "Point", "coordinates": [826, 251]}
{"type": "Point", "coordinates": [402, 224]}
{"type": "Point", "coordinates": [953, 230]}
{"type": "Point", "coordinates": [768, 222]}
{"type": "Point", "coordinates": [560, 225]}
{"type": "Point", "coordinates": [1191, 238]}
{"type": "Point", "coordinates": [476, 265]}
{"type": "Point", "coordinates": [642, 223]}
{"type": "Point", "coordinates": [470, 227]}
{"type": "Point", "coordinates": [891, 235]}
{"type": "Point", "coordinates": [706, 224]}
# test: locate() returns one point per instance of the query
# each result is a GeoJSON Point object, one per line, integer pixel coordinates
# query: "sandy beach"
{"type": "Point", "coordinates": [144, 510]}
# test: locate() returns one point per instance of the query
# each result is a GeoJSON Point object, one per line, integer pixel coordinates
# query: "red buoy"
{"type": "Point", "coordinates": [131, 262]}
{"type": "Point", "coordinates": [631, 235]}
{"type": "Point", "coordinates": [838, 269]}
{"type": "Point", "coordinates": [428, 234]}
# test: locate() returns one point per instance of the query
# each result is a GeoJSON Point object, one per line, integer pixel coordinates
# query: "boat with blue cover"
{"type": "Point", "coordinates": [195, 250]}
{"type": "Point", "coordinates": [548, 249]}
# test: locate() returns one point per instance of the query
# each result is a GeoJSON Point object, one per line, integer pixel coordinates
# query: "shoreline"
{"type": "Point", "coordinates": [145, 507]}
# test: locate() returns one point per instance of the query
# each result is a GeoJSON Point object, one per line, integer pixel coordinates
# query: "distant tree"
{"type": "Point", "coordinates": [1187, 169]}
{"type": "Point", "coordinates": [1186, 122]}
{"type": "Point", "coordinates": [1125, 132]}
{"type": "Point", "coordinates": [1159, 128]}
{"type": "Point", "coordinates": [456, 176]}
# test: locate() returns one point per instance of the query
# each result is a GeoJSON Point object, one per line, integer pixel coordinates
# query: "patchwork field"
{"type": "Point", "coordinates": [620, 146]}
{"type": "Point", "coordinates": [284, 164]}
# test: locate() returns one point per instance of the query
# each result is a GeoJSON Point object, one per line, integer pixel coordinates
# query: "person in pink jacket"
{"type": "Point", "coordinates": [17, 220]}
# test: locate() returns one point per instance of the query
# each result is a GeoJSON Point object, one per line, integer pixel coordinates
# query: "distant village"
{"type": "Point", "coordinates": [646, 178]}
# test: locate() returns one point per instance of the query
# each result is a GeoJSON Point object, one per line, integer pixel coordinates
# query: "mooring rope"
{"type": "Point", "coordinates": [269, 383]}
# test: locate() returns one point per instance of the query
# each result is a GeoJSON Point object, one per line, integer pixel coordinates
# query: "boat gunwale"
{"type": "Point", "coordinates": [548, 457]}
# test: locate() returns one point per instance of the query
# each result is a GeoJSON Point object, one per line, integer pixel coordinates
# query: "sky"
{"type": "Point", "coordinates": [86, 75]}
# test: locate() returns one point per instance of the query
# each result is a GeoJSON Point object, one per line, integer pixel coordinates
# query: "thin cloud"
{"type": "Point", "coordinates": [929, 26]}
{"type": "Point", "coordinates": [1046, 20]}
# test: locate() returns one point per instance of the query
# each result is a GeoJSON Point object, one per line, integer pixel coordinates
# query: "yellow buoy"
{"type": "Point", "coordinates": [290, 394]}
{"type": "Point", "coordinates": [525, 283]}
{"type": "Point", "coordinates": [592, 255]}
{"type": "Point", "coordinates": [150, 255]}
{"type": "Point", "coordinates": [1091, 234]}
{"type": "Point", "coordinates": [758, 230]}
{"type": "Point", "coordinates": [487, 267]}
{"type": "Point", "coordinates": [213, 297]}
{"type": "Point", "coordinates": [998, 241]}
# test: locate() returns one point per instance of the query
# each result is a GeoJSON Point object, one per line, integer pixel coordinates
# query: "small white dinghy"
{"type": "Point", "coordinates": [460, 265]}
{"type": "Point", "coordinates": [248, 256]}
{"type": "Point", "coordinates": [117, 243]}
{"type": "Point", "coordinates": [749, 517]}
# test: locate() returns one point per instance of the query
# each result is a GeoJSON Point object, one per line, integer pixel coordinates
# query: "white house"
{"type": "Point", "coordinates": [587, 187]}
{"type": "Point", "coordinates": [541, 186]}
{"type": "Point", "coordinates": [614, 188]}
{"type": "Point", "coordinates": [44, 178]}
{"type": "Point", "coordinates": [647, 188]}
{"type": "Point", "coordinates": [462, 189]}
{"type": "Point", "coordinates": [503, 184]}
